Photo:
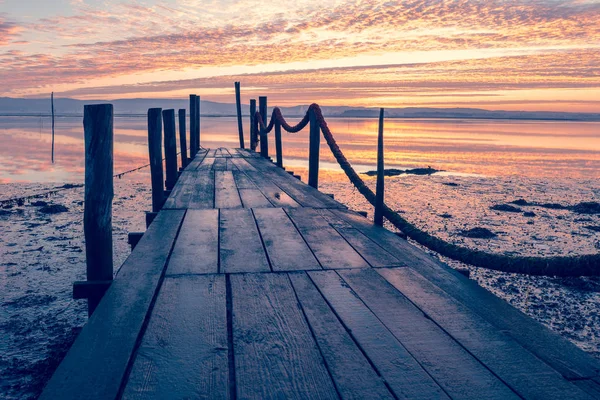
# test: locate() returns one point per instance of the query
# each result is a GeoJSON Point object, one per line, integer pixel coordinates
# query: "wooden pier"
{"type": "Point", "coordinates": [250, 284]}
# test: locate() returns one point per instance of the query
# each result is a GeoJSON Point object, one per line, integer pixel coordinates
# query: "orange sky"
{"type": "Point", "coordinates": [498, 54]}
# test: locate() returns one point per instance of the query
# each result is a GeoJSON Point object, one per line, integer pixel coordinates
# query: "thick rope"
{"type": "Point", "coordinates": [584, 265]}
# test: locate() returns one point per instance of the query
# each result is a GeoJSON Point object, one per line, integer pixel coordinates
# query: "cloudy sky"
{"type": "Point", "coordinates": [495, 54]}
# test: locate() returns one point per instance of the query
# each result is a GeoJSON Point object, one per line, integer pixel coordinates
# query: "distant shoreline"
{"type": "Point", "coordinates": [498, 118]}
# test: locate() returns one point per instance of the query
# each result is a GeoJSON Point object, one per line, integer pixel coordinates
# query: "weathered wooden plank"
{"type": "Point", "coordinates": [286, 249]}
{"type": "Point", "coordinates": [253, 198]}
{"type": "Point", "coordinates": [241, 246]}
{"type": "Point", "coordinates": [203, 191]}
{"type": "Point", "coordinates": [459, 373]}
{"type": "Point", "coordinates": [589, 386]}
{"type": "Point", "coordinates": [183, 354]}
{"type": "Point", "coordinates": [101, 353]}
{"type": "Point", "coordinates": [404, 376]}
{"type": "Point", "coordinates": [559, 353]}
{"type": "Point", "coordinates": [353, 375]}
{"type": "Point", "coordinates": [220, 164]}
{"type": "Point", "coordinates": [230, 165]}
{"type": "Point", "coordinates": [197, 160]}
{"type": "Point", "coordinates": [211, 153]}
{"type": "Point", "coordinates": [517, 367]}
{"type": "Point", "coordinates": [226, 193]}
{"type": "Point", "coordinates": [303, 194]}
{"type": "Point", "coordinates": [197, 248]}
{"type": "Point", "coordinates": [275, 354]}
{"type": "Point", "coordinates": [326, 243]}
{"type": "Point", "coordinates": [375, 255]}
{"type": "Point", "coordinates": [272, 192]}
{"type": "Point", "coordinates": [182, 192]}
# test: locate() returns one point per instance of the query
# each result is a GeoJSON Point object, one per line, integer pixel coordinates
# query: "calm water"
{"type": "Point", "coordinates": [484, 147]}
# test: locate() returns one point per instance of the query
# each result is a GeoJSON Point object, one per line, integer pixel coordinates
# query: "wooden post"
{"type": "Point", "coordinates": [170, 144]}
{"type": "Point", "coordinates": [264, 140]}
{"type": "Point", "coordinates": [238, 103]}
{"type": "Point", "coordinates": [314, 147]}
{"type": "Point", "coordinates": [278, 145]}
{"type": "Point", "coordinates": [182, 141]}
{"type": "Point", "coordinates": [252, 125]}
{"type": "Point", "coordinates": [155, 151]}
{"type": "Point", "coordinates": [378, 219]}
{"type": "Point", "coordinates": [192, 126]}
{"type": "Point", "coordinates": [52, 107]}
{"type": "Point", "coordinates": [198, 145]}
{"type": "Point", "coordinates": [97, 214]}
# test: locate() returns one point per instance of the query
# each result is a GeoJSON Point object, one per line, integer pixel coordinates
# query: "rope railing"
{"type": "Point", "coordinates": [582, 265]}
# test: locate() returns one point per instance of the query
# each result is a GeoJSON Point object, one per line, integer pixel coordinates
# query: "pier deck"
{"type": "Point", "coordinates": [250, 284]}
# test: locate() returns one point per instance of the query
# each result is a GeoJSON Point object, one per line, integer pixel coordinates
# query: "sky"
{"type": "Point", "coordinates": [493, 54]}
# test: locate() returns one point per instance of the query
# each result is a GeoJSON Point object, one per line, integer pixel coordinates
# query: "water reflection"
{"type": "Point", "coordinates": [488, 147]}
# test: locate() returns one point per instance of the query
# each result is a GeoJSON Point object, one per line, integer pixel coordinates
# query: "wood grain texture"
{"type": "Point", "coordinates": [562, 355]}
{"type": "Point", "coordinates": [326, 243]}
{"type": "Point", "coordinates": [241, 246]}
{"type": "Point", "coordinates": [100, 355]}
{"type": "Point", "coordinates": [155, 154]}
{"type": "Point", "coordinates": [226, 192]}
{"type": "Point", "coordinates": [197, 248]}
{"type": "Point", "coordinates": [353, 375]}
{"type": "Point", "coordinates": [517, 367]}
{"type": "Point", "coordinates": [405, 377]}
{"type": "Point", "coordinates": [183, 354]}
{"type": "Point", "coordinates": [276, 356]}
{"type": "Point", "coordinates": [454, 369]}
{"type": "Point", "coordinates": [170, 145]}
{"type": "Point", "coordinates": [286, 249]}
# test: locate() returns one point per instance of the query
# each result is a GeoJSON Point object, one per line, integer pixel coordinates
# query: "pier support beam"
{"type": "Point", "coordinates": [264, 139]}
{"type": "Point", "coordinates": [155, 152]}
{"type": "Point", "coordinates": [379, 191]}
{"type": "Point", "coordinates": [278, 145]}
{"type": "Point", "coordinates": [238, 103]}
{"type": "Point", "coordinates": [182, 139]}
{"type": "Point", "coordinates": [193, 143]}
{"type": "Point", "coordinates": [253, 132]}
{"type": "Point", "coordinates": [97, 215]}
{"type": "Point", "coordinates": [170, 148]}
{"type": "Point", "coordinates": [314, 148]}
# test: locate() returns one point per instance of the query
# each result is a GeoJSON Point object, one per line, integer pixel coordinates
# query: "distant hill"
{"type": "Point", "coordinates": [73, 107]}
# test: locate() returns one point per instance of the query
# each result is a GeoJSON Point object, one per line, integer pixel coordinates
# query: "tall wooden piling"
{"type": "Point", "coordinates": [379, 191]}
{"type": "Point", "coordinates": [278, 145]}
{"type": "Point", "coordinates": [238, 103]}
{"type": "Point", "coordinates": [97, 214]}
{"type": "Point", "coordinates": [192, 126]}
{"type": "Point", "coordinates": [182, 138]}
{"type": "Point", "coordinates": [198, 142]}
{"type": "Point", "coordinates": [52, 109]}
{"type": "Point", "coordinates": [264, 140]}
{"type": "Point", "coordinates": [170, 144]}
{"type": "Point", "coordinates": [252, 124]}
{"type": "Point", "coordinates": [313, 150]}
{"type": "Point", "coordinates": [155, 152]}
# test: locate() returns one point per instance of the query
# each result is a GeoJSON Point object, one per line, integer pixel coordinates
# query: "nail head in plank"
{"type": "Point", "coordinates": [405, 377]}
{"type": "Point", "coordinates": [241, 249]}
{"type": "Point", "coordinates": [196, 250]}
{"type": "Point", "coordinates": [286, 249]}
{"type": "Point", "coordinates": [327, 244]}
{"type": "Point", "coordinates": [353, 375]}
{"type": "Point", "coordinates": [276, 356]}
{"type": "Point", "coordinates": [100, 355]}
{"type": "Point", "coordinates": [183, 353]}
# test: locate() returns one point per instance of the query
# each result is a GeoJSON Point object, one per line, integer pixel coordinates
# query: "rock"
{"type": "Point", "coordinates": [529, 214]}
{"type": "Point", "coordinates": [594, 228]}
{"type": "Point", "coordinates": [505, 207]}
{"type": "Point", "coordinates": [446, 215]}
{"type": "Point", "coordinates": [53, 209]}
{"type": "Point", "coordinates": [588, 207]}
{"type": "Point", "coordinates": [478, 233]}
{"type": "Point", "coordinates": [453, 184]}
{"type": "Point", "coordinates": [553, 206]}
{"type": "Point", "coordinates": [39, 203]}
{"type": "Point", "coordinates": [521, 202]}
{"type": "Point", "coordinates": [415, 171]}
